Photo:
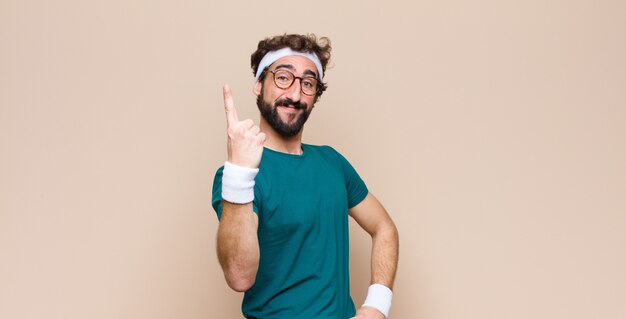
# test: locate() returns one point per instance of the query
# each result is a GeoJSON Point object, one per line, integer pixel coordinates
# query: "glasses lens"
{"type": "Point", "coordinates": [309, 85]}
{"type": "Point", "coordinates": [283, 79]}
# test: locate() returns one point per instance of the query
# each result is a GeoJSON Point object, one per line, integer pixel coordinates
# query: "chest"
{"type": "Point", "coordinates": [303, 197]}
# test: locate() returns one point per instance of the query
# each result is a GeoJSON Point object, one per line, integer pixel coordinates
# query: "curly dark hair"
{"type": "Point", "coordinates": [297, 42]}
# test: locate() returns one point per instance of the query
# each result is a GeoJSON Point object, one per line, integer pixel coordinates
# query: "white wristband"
{"type": "Point", "coordinates": [379, 297]}
{"type": "Point", "coordinates": [238, 183]}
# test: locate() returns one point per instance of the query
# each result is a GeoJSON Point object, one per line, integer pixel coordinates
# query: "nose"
{"type": "Point", "coordinates": [294, 91]}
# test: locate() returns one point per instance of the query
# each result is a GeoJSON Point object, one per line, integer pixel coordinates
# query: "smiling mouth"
{"type": "Point", "coordinates": [290, 106]}
{"type": "Point", "coordinates": [287, 103]}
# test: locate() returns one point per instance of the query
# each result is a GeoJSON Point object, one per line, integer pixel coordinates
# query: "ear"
{"type": "Point", "coordinates": [256, 89]}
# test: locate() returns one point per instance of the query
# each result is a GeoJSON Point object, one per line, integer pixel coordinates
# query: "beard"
{"type": "Point", "coordinates": [270, 114]}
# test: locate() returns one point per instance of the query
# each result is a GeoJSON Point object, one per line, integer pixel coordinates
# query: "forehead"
{"type": "Point", "coordinates": [300, 64]}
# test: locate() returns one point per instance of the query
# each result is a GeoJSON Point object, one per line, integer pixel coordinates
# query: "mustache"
{"type": "Point", "coordinates": [286, 102]}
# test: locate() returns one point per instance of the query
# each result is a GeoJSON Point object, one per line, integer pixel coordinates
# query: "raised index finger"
{"type": "Point", "coordinates": [229, 107]}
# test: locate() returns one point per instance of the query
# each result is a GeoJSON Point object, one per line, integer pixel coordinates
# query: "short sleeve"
{"type": "Point", "coordinates": [355, 186]}
{"type": "Point", "coordinates": [216, 199]}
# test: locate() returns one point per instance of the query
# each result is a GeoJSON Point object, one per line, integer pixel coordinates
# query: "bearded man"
{"type": "Point", "coordinates": [283, 205]}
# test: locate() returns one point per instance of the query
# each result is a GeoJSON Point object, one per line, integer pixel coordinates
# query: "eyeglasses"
{"type": "Point", "coordinates": [284, 79]}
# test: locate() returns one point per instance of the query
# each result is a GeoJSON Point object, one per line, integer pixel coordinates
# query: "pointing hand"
{"type": "Point", "coordinates": [245, 140]}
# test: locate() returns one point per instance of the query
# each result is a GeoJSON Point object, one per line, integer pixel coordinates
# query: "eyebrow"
{"type": "Point", "coordinates": [290, 67]}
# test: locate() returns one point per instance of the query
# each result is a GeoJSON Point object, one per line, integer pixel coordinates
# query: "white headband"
{"type": "Point", "coordinates": [272, 56]}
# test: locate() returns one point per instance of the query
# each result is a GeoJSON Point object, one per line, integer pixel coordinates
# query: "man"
{"type": "Point", "coordinates": [284, 205]}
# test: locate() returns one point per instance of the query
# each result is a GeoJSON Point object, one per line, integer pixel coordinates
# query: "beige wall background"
{"type": "Point", "coordinates": [494, 132]}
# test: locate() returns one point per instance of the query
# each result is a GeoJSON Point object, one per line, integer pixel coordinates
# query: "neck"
{"type": "Point", "coordinates": [276, 142]}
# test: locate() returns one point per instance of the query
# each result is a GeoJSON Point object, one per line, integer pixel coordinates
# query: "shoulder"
{"type": "Point", "coordinates": [329, 154]}
{"type": "Point", "coordinates": [218, 174]}
{"type": "Point", "coordinates": [320, 149]}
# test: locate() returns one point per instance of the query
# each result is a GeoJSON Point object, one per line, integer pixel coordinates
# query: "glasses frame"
{"type": "Point", "coordinates": [317, 83]}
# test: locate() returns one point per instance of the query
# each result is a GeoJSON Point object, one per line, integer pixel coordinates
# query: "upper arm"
{"type": "Point", "coordinates": [371, 215]}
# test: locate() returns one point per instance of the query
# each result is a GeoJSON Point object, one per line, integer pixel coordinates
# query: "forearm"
{"type": "Point", "coordinates": [385, 249]}
{"type": "Point", "coordinates": [237, 245]}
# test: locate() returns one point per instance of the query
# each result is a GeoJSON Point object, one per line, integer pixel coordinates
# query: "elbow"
{"type": "Point", "coordinates": [240, 283]}
{"type": "Point", "coordinates": [394, 230]}
{"type": "Point", "coordinates": [390, 239]}
{"type": "Point", "coordinates": [240, 274]}
{"type": "Point", "coordinates": [387, 233]}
